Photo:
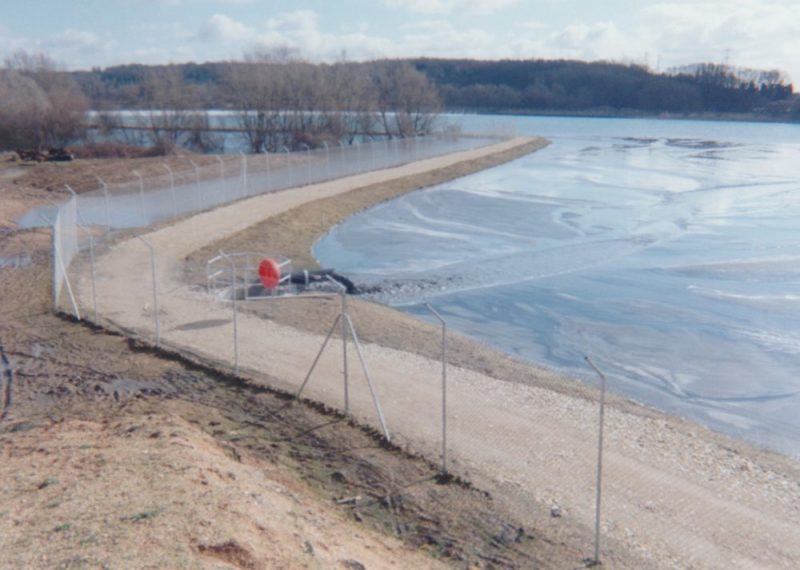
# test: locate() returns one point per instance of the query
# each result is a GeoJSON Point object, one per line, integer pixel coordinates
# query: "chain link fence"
{"type": "Point", "coordinates": [156, 198]}
{"type": "Point", "coordinates": [639, 489]}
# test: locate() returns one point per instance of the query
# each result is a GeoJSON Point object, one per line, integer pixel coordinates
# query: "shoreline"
{"type": "Point", "coordinates": [709, 116]}
{"type": "Point", "coordinates": [531, 442]}
{"type": "Point", "coordinates": [293, 233]}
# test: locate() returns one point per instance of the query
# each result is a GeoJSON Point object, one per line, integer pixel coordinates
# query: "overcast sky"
{"type": "Point", "coordinates": [97, 33]}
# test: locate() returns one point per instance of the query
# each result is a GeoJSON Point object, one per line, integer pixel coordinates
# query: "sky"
{"type": "Point", "coordinates": [81, 34]}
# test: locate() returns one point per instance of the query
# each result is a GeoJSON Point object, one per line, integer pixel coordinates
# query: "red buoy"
{"type": "Point", "coordinates": [270, 273]}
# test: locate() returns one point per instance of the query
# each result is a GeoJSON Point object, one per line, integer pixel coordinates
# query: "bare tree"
{"type": "Point", "coordinates": [355, 100]}
{"type": "Point", "coordinates": [284, 100]}
{"type": "Point", "coordinates": [42, 101]}
{"type": "Point", "coordinates": [407, 102]}
{"type": "Point", "coordinates": [24, 106]}
{"type": "Point", "coordinates": [172, 116]}
{"type": "Point", "coordinates": [259, 89]}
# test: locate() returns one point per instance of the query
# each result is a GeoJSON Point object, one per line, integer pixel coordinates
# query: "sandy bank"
{"type": "Point", "coordinates": [675, 495]}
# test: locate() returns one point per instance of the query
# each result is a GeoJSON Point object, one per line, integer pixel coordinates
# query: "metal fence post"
{"type": "Point", "coordinates": [235, 323]}
{"type": "Point", "coordinates": [319, 354]}
{"type": "Point", "coordinates": [141, 196]}
{"type": "Point", "coordinates": [196, 179]}
{"type": "Point", "coordinates": [221, 167]}
{"type": "Point", "coordinates": [308, 162]}
{"type": "Point", "coordinates": [196, 174]}
{"type": "Point", "coordinates": [288, 167]}
{"type": "Point", "coordinates": [244, 173]}
{"type": "Point", "coordinates": [327, 160]}
{"type": "Point", "coordinates": [108, 206]}
{"type": "Point", "coordinates": [342, 169]}
{"type": "Point", "coordinates": [8, 374]}
{"type": "Point", "coordinates": [58, 263]}
{"type": "Point", "coordinates": [266, 161]}
{"type": "Point", "coordinates": [172, 191]}
{"type": "Point", "coordinates": [94, 276]}
{"type": "Point", "coordinates": [343, 316]}
{"type": "Point", "coordinates": [155, 292]}
{"type": "Point", "coordinates": [444, 386]}
{"type": "Point", "coordinates": [372, 393]}
{"type": "Point", "coordinates": [596, 559]}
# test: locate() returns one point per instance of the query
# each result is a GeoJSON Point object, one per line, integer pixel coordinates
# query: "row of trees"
{"type": "Point", "coordinates": [297, 103]}
{"type": "Point", "coordinates": [280, 100]}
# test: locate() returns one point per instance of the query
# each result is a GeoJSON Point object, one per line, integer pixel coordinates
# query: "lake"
{"type": "Point", "coordinates": [668, 251]}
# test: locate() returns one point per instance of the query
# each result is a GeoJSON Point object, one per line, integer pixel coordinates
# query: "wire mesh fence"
{"type": "Point", "coordinates": [673, 494]}
{"type": "Point", "coordinates": [160, 197]}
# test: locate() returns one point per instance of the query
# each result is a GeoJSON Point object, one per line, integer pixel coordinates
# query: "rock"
{"type": "Point", "coordinates": [308, 547]}
{"type": "Point", "coordinates": [555, 511]}
{"type": "Point", "coordinates": [353, 565]}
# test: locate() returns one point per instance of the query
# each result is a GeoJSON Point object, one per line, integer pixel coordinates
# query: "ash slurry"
{"type": "Point", "coordinates": [668, 251]}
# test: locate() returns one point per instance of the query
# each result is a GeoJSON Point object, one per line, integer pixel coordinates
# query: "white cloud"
{"type": "Point", "coordinates": [752, 32]}
{"type": "Point", "coordinates": [749, 33]}
{"type": "Point", "coordinates": [221, 28]}
{"type": "Point", "coordinates": [439, 38]}
{"type": "Point", "coordinates": [451, 6]}
{"type": "Point", "coordinates": [166, 2]}
{"type": "Point", "coordinates": [599, 40]}
{"type": "Point", "coordinates": [300, 30]}
{"type": "Point", "coordinates": [73, 39]}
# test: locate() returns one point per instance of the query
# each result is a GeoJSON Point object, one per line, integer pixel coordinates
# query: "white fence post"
{"type": "Point", "coordinates": [342, 169]}
{"type": "Point", "coordinates": [172, 191]}
{"type": "Point", "coordinates": [372, 393]}
{"type": "Point", "coordinates": [288, 167]}
{"type": "Point", "coordinates": [108, 206]}
{"type": "Point", "coordinates": [444, 386]}
{"type": "Point", "coordinates": [60, 269]}
{"type": "Point", "coordinates": [308, 162]}
{"type": "Point", "coordinates": [221, 167]}
{"type": "Point", "coordinates": [244, 174]}
{"type": "Point", "coordinates": [141, 197]}
{"type": "Point", "coordinates": [155, 291]}
{"type": "Point", "coordinates": [235, 322]}
{"type": "Point", "coordinates": [266, 161]}
{"type": "Point", "coordinates": [596, 559]}
{"type": "Point", "coordinates": [327, 160]}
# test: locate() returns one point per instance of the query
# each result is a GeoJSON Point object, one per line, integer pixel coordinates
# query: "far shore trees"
{"type": "Point", "coordinates": [406, 101]}
{"type": "Point", "coordinates": [41, 105]}
{"type": "Point", "coordinates": [284, 101]}
{"type": "Point", "coordinates": [174, 117]}
{"type": "Point", "coordinates": [277, 99]}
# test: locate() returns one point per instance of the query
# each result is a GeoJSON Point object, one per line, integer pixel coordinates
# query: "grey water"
{"type": "Point", "coordinates": [668, 251]}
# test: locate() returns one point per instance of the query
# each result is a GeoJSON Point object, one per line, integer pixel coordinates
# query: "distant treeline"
{"type": "Point", "coordinates": [514, 86]}
{"type": "Point", "coordinates": [573, 86]}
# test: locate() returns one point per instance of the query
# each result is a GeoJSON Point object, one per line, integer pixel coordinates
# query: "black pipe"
{"type": "Point", "coordinates": [320, 275]}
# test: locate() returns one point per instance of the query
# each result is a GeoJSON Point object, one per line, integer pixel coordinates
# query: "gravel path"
{"type": "Point", "coordinates": [678, 497]}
